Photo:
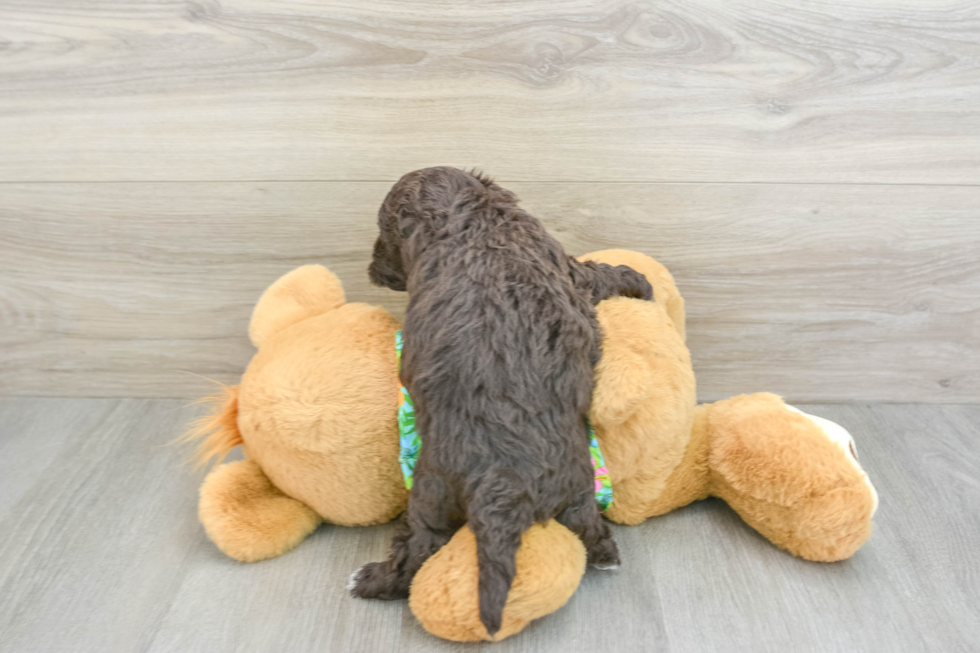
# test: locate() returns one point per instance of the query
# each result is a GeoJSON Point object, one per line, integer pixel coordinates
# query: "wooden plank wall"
{"type": "Point", "coordinates": [809, 171]}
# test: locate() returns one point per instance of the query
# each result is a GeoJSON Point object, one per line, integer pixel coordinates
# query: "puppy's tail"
{"type": "Point", "coordinates": [498, 526]}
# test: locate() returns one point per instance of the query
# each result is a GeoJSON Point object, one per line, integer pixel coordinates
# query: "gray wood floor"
{"type": "Point", "coordinates": [100, 550]}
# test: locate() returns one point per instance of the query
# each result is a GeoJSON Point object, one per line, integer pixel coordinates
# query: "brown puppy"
{"type": "Point", "coordinates": [501, 341]}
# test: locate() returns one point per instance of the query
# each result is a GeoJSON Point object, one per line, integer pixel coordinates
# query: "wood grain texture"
{"type": "Point", "coordinates": [819, 293]}
{"type": "Point", "coordinates": [100, 550]}
{"type": "Point", "coordinates": [618, 90]}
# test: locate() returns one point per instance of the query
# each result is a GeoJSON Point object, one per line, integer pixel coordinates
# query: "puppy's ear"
{"type": "Point", "coordinates": [383, 274]}
{"type": "Point", "coordinates": [386, 267]}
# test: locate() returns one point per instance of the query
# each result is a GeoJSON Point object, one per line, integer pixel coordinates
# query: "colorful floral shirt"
{"type": "Point", "coordinates": [410, 443]}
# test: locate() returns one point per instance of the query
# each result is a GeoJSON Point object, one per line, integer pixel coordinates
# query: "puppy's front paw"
{"type": "Point", "coordinates": [374, 581]}
{"type": "Point", "coordinates": [634, 284]}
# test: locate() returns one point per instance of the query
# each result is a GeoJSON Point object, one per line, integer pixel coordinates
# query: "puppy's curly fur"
{"type": "Point", "coordinates": [501, 341]}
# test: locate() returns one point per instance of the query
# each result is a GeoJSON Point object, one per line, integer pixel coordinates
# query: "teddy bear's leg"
{"type": "Point", "coordinates": [444, 596]}
{"type": "Point", "coordinates": [247, 517]}
{"type": "Point", "coordinates": [793, 477]}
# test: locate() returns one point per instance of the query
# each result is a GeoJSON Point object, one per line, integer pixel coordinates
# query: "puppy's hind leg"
{"type": "Point", "coordinates": [583, 519]}
{"type": "Point", "coordinates": [425, 529]}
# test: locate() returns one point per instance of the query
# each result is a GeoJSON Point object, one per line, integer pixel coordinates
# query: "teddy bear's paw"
{"type": "Point", "coordinates": [837, 434]}
{"type": "Point", "coordinates": [376, 580]}
{"type": "Point", "coordinates": [793, 477]}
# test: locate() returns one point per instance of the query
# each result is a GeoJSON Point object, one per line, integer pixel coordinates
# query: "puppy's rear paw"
{"type": "Point", "coordinates": [606, 567]}
{"type": "Point", "coordinates": [374, 581]}
{"type": "Point", "coordinates": [605, 555]}
{"type": "Point", "coordinates": [352, 581]}
{"type": "Point", "coordinates": [363, 583]}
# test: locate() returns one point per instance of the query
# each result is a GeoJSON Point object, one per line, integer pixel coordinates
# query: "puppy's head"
{"type": "Point", "coordinates": [418, 207]}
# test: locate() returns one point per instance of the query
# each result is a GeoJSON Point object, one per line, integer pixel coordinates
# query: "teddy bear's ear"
{"type": "Point", "coordinates": [306, 291]}
{"type": "Point", "coordinates": [664, 289]}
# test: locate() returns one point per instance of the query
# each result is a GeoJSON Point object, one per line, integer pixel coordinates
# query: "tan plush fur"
{"type": "Point", "coordinates": [217, 432]}
{"type": "Point", "coordinates": [248, 517]}
{"type": "Point", "coordinates": [304, 292]}
{"type": "Point", "coordinates": [316, 414]}
{"type": "Point", "coordinates": [787, 480]}
{"type": "Point", "coordinates": [444, 593]}
{"type": "Point", "coordinates": [645, 394]}
{"type": "Point", "coordinates": [776, 468]}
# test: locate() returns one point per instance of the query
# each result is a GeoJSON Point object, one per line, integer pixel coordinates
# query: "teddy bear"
{"type": "Point", "coordinates": [316, 414]}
